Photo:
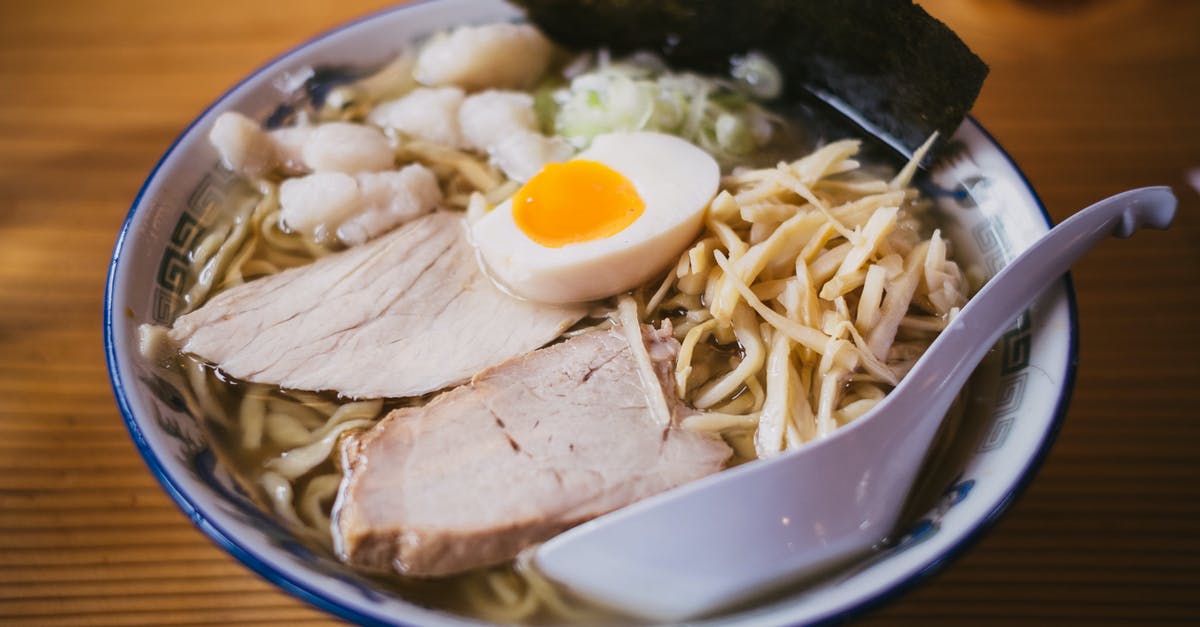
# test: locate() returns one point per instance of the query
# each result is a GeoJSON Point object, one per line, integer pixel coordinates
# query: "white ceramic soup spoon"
{"type": "Point", "coordinates": [746, 531]}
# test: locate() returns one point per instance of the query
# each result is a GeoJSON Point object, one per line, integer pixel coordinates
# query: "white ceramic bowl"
{"type": "Point", "coordinates": [1019, 395]}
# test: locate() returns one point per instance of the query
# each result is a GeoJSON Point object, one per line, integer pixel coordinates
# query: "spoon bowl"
{"type": "Point", "coordinates": [749, 530]}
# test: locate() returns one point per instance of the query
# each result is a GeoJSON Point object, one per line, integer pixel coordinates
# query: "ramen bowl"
{"type": "Point", "coordinates": [989, 450]}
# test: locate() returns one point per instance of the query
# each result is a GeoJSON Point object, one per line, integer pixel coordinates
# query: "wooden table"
{"type": "Point", "coordinates": [1090, 97]}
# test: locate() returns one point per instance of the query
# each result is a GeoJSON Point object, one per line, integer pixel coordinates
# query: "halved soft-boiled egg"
{"type": "Point", "coordinates": [602, 223]}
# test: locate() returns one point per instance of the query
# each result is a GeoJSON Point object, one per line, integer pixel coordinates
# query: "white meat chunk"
{"type": "Point", "coordinates": [390, 199]}
{"type": "Point", "coordinates": [357, 207]}
{"type": "Point", "coordinates": [490, 116]}
{"type": "Point", "coordinates": [242, 144]}
{"type": "Point", "coordinates": [309, 204]}
{"type": "Point", "coordinates": [522, 155]}
{"type": "Point", "coordinates": [246, 148]}
{"type": "Point", "coordinates": [288, 143]}
{"type": "Point", "coordinates": [500, 56]}
{"type": "Point", "coordinates": [405, 314]}
{"type": "Point", "coordinates": [527, 449]}
{"type": "Point", "coordinates": [504, 125]}
{"type": "Point", "coordinates": [347, 147]}
{"type": "Point", "coordinates": [428, 113]}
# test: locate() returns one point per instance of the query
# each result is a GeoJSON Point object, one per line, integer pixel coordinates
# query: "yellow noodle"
{"type": "Point", "coordinates": [208, 247]}
{"type": "Point", "coordinates": [549, 595]}
{"type": "Point", "coordinates": [746, 331]}
{"type": "Point", "coordinates": [842, 284]}
{"type": "Point", "coordinates": [803, 303]}
{"type": "Point", "coordinates": [808, 336]}
{"type": "Point", "coordinates": [867, 359]}
{"type": "Point", "coordinates": [757, 393]}
{"type": "Point", "coordinates": [683, 364]}
{"type": "Point", "coordinates": [826, 264]}
{"type": "Point", "coordinates": [867, 241]}
{"type": "Point", "coordinates": [474, 170]}
{"type": "Point", "coordinates": [802, 427]}
{"type": "Point", "coordinates": [294, 463]}
{"type": "Point", "coordinates": [307, 416]}
{"type": "Point", "coordinates": [197, 376]}
{"type": "Point", "coordinates": [318, 495]}
{"type": "Point", "coordinates": [285, 430]}
{"type": "Point", "coordinates": [715, 422]}
{"type": "Point", "coordinates": [855, 410]}
{"type": "Point", "coordinates": [748, 265]}
{"type": "Point", "coordinates": [769, 439]}
{"type": "Point", "coordinates": [501, 192]}
{"type": "Point", "coordinates": [631, 327]}
{"type": "Point", "coordinates": [895, 303]}
{"type": "Point", "coordinates": [274, 237]}
{"type": "Point", "coordinates": [214, 268]}
{"type": "Point", "coordinates": [660, 294]}
{"type": "Point", "coordinates": [251, 416]}
{"type": "Point", "coordinates": [904, 177]}
{"type": "Point", "coordinates": [742, 443]}
{"type": "Point", "coordinates": [280, 494]}
{"type": "Point", "coordinates": [743, 402]}
{"type": "Point", "coordinates": [256, 268]}
{"type": "Point", "coordinates": [477, 207]}
{"type": "Point", "coordinates": [928, 324]}
{"type": "Point", "coordinates": [871, 298]}
{"type": "Point", "coordinates": [479, 592]}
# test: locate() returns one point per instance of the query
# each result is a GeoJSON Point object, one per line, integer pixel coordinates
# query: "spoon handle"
{"type": "Point", "coordinates": [991, 311]}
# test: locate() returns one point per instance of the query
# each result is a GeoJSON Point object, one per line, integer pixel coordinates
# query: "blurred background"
{"type": "Point", "coordinates": [1090, 97]}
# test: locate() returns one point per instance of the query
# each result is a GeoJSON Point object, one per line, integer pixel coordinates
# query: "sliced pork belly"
{"type": "Point", "coordinates": [403, 315]}
{"type": "Point", "coordinates": [526, 450]}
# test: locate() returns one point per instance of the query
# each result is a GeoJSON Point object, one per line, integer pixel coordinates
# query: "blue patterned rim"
{"type": "Point", "coordinates": [321, 600]}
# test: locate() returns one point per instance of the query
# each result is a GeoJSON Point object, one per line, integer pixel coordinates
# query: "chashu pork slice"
{"type": "Point", "coordinates": [406, 314]}
{"type": "Point", "coordinates": [526, 450]}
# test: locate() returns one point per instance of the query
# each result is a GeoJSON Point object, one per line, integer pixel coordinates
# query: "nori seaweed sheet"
{"type": "Point", "coordinates": [902, 71]}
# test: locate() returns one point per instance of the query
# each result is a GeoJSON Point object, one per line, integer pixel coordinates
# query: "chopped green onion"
{"type": "Point", "coordinates": [757, 75]}
{"type": "Point", "coordinates": [639, 93]}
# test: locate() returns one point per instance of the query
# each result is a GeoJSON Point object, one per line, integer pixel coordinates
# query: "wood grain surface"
{"type": "Point", "coordinates": [1090, 98]}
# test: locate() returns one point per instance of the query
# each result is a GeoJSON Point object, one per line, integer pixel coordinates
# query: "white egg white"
{"type": "Point", "coordinates": [675, 179]}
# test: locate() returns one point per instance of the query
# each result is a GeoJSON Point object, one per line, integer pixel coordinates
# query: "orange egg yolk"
{"type": "Point", "coordinates": [576, 201]}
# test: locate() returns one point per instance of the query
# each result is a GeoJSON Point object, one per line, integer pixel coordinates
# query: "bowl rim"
{"type": "Point", "coordinates": [321, 600]}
